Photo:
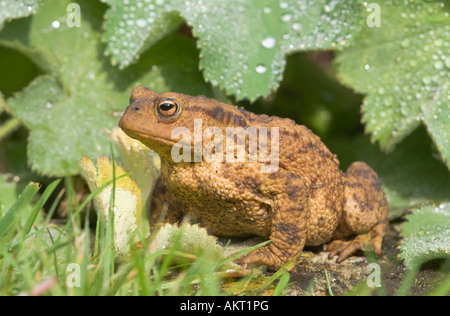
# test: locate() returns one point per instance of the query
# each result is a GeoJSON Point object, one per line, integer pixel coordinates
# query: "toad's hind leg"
{"type": "Point", "coordinates": [364, 218]}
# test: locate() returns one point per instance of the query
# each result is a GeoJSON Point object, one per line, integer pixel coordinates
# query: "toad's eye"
{"type": "Point", "coordinates": [168, 108]}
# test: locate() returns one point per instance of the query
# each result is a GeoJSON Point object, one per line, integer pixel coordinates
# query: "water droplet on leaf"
{"type": "Point", "coordinates": [141, 23]}
{"type": "Point", "coordinates": [268, 42]}
{"type": "Point", "coordinates": [286, 18]}
{"type": "Point", "coordinates": [260, 69]}
{"type": "Point", "coordinates": [438, 64]}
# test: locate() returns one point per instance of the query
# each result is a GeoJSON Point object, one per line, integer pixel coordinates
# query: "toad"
{"type": "Point", "coordinates": [304, 199]}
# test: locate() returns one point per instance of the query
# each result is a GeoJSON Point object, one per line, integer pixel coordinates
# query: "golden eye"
{"type": "Point", "coordinates": [168, 108]}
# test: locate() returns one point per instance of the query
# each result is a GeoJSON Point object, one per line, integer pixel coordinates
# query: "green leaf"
{"type": "Point", "coordinates": [403, 66]}
{"type": "Point", "coordinates": [68, 109]}
{"type": "Point", "coordinates": [426, 235]}
{"type": "Point", "coordinates": [190, 239]}
{"type": "Point", "coordinates": [13, 9]}
{"type": "Point", "coordinates": [243, 43]}
{"type": "Point", "coordinates": [410, 175]}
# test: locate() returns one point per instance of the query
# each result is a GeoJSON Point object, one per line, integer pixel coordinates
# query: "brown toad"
{"type": "Point", "coordinates": [307, 200]}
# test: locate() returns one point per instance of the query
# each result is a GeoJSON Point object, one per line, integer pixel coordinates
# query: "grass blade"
{"type": "Point", "coordinates": [108, 271]}
{"type": "Point", "coordinates": [282, 284]}
{"type": "Point", "coordinates": [14, 212]}
{"type": "Point", "coordinates": [44, 197]}
{"type": "Point", "coordinates": [89, 198]}
{"type": "Point", "coordinates": [330, 291]}
{"type": "Point", "coordinates": [241, 253]}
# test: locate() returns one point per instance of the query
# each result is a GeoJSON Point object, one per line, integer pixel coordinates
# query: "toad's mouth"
{"type": "Point", "coordinates": [148, 138]}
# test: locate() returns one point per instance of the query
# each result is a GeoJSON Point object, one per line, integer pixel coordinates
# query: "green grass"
{"type": "Point", "coordinates": [38, 257]}
{"type": "Point", "coordinates": [77, 257]}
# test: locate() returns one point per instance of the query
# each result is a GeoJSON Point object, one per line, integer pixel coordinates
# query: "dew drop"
{"type": "Point", "coordinates": [55, 24]}
{"type": "Point", "coordinates": [141, 23]}
{"type": "Point", "coordinates": [260, 69]}
{"type": "Point", "coordinates": [447, 62]}
{"type": "Point", "coordinates": [404, 43]}
{"type": "Point", "coordinates": [367, 67]}
{"type": "Point", "coordinates": [426, 80]}
{"type": "Point", "coordinates": [330, 6]}
{"type": "Point", "coordinates": [438, 64]}
{"type": "Point", "coordinates": [296, 26]}
{"type": "Point", "coordinates": [268, 42]}
{"type": "Point", "coordinates": [286, 18]}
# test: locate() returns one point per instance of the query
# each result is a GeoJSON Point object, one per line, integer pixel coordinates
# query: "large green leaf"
{"type": "Point", "coordinates": [404, 67]}
{"type": "Point", "coordinates": [410, 175]}
{"type": "Point", "coordinates": [67, 110]}
{"type": "Point", "coordinates": [243, 43]}
{"type": "Point", "coordinates": [427, 235]}
{"type": "Point", "coordinates": [13, 9]}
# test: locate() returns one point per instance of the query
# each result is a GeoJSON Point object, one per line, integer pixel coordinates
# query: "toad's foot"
{"type": "Point", "coordinates": [345, 248]}
{"type": "Point", "coordinates": [266, 256]}
{"type": "Point", "coordinates": [261, 256]}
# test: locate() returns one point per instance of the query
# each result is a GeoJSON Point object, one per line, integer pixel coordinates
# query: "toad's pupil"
{"type": "Point", "coordinates": [166, 106]}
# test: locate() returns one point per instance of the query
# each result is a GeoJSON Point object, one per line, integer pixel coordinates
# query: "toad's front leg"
{"type": "Point", "coordinates": [290, 214]}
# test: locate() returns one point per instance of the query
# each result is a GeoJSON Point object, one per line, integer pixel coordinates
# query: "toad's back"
{"type": "Point", "coordinates": [303, 153]}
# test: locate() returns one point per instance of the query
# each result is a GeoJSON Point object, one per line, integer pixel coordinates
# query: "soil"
{"type": "Point", "coordinates": [358, 275]}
